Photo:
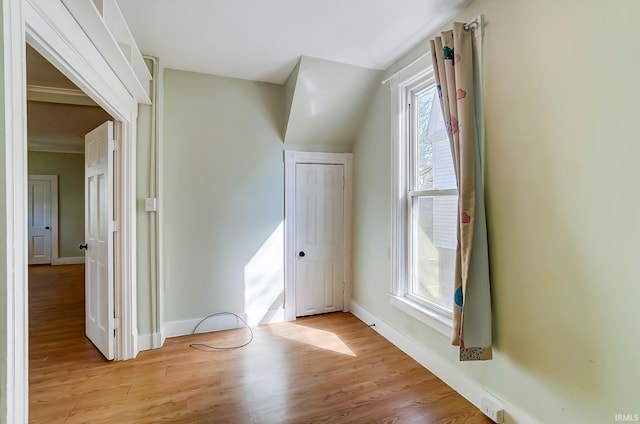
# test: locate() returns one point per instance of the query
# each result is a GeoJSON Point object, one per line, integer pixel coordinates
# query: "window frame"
{"type": "Point", "coordinates": [404, 85]}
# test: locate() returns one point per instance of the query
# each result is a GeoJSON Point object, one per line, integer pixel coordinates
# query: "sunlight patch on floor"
{"type": "Point", "coordinates": [312, 336]}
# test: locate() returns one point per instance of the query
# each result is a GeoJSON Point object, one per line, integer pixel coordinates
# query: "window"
{"type": "Point", "coordinates": [426, 203]}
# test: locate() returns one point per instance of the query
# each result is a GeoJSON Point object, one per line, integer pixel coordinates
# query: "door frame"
{"type": "Point", "coordinates": [291, 159]}
{"type": "Point", "coordinates": [51, 29]}
{"type": "Point", "coordinates": [53, 181]}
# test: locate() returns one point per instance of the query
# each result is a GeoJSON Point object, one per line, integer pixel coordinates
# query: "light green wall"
{"type": "Point", "coordinates": [3, 233]}
{"type": "Point", "coordinates": [69, 167]}
{"type": "Point", "coordinates": [561, 105]}
{"type": "Point", "coordinates": [146, 222]}
{"type": "Point", "coordinates": [223, 185]}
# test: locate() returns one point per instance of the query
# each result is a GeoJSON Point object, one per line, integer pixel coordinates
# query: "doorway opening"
{"type": "Point", "coordinates": [54, 32]}
{"type": "Point", "coordinates": [59, 115]}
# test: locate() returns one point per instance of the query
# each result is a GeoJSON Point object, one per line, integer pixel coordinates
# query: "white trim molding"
{"type": "Point", "coordinates": [104, 24]}
{"type": "Point", "coordinates": [404, 85]}
{"type": "Point", "coordinates": [14, 377]}
{"type": "Point", "coordinates": [442, 369]}
{"type": "Point", "coordinates": [291, 158]}
{"type": "Point", "coordinates": [150, 341]}
{"type": "Point", "coordinates": [214, 323]}
{"type": "Point", "coordinates": [54, 33]}
{"type": "Point", "coordinates": [49, 27]}
{"type": "Point", "coordinates": [399, 131]}
{"type": "Point", "coordinates": [424, 315]}
{"type": "Point", "coordinates": [68, 96]}
{"type": "Point", "coordinates": [265, 316]}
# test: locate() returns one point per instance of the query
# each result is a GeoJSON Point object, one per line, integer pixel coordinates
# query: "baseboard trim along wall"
{"type": "Point", "coordinates": [71, 260]}
{"type": "Point", "coordinates": [466, 387]}
{"type": "Point", "coordinates": [221, 322]}
{"type": "Point", "coordinates": [265, 316]}
{"type": "Point", "coordinates": [215, 323]}
{"type": "Point", "coordinates": [149, 341]}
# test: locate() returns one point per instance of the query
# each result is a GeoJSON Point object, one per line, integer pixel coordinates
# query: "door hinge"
{"type": "Point", "coordinates": [115, 226]}
{"type": "Point", "coordinates": [114, 145]}
{"type": "Point", "coordinates": [116, 325]}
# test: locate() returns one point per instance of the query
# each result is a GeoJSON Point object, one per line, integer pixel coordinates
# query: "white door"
{"type": "Point", "coordinates": [39, 227]}
{"type": "Point", "coordinates": [99, 310]}
{"type": "Point", "coordinates": [319, 238]}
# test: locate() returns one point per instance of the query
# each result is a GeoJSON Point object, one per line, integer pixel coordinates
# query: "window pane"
{"type": "Point", "coordinates": [434, 163]}
{"type": "Point", "coordinates": [434, 244]}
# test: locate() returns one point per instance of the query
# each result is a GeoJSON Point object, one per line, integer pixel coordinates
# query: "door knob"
{"type": "Point", "coordinates": [47, 228]}
{"type": "Point", "coordinates": [83, 246]}
{"type": "Point", "coordinates": [301, 254]}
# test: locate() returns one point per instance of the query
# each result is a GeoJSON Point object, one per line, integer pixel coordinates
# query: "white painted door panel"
{"type": "Point", "coordinates": [99, 307]}
{"type": "Point", "coordinates": [39, 229]}
{"type": "Point", "coordinates": [319, 238]}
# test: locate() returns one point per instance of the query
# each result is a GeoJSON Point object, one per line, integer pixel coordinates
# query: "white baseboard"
{"type": "Point", "coordinates": [266, 316]}
{"type": "Point", "coordinates": [71, 260]}
{"type": "Point", "coordinates": [429, 359]}
{"type": "Point", "coordinates": [221, 322]}
{"type": "Point", "coordinates": [150, 341]}
{"type": "Point", "coordinates": [215, 323]}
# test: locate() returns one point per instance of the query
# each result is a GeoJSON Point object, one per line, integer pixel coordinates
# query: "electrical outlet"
{"type": "Point", "coordinates": [492, 410]}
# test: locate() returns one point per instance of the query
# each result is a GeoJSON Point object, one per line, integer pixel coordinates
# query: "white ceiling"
{"type": "Point", "coordinates": [61, 127]}
{"type": "Point", "coordinates": [258, 40]}
{"type": "Point", "coordinates": [262, 40]}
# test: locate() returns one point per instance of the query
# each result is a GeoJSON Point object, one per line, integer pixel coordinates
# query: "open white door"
{"type": "Point", "coordinates": [39, 228]}
{"type": "Point", "coordinates": [99, 298]}
{"type": "Point", "coordinates": [319, 238]}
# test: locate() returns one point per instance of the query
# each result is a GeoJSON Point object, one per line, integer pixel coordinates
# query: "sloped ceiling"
{"type": "Point", "coordinates": [326, 102]}
{"type": "Point", "coordinates": [263, 40]}
{"type": "Point", "coordinates": [328, 54]}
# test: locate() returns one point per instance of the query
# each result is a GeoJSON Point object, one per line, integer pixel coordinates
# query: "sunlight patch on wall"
{"type": "Point", "coordinates": [264, 280]}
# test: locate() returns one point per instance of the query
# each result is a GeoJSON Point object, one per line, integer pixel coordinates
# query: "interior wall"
{"type": "Point", "coordinates": [561, 92]}
{"type": "Point", "coordinates": [4, 115]}
{"type": "Point", "coordinates": [147, 237]}
{"type": "Point", "coordinates": [69, 167]}
{"type": "Point", "coordinates": [223, 195]}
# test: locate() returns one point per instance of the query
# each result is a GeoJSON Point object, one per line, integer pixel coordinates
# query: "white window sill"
{"type": "Point", "coordinates": [439, 323]}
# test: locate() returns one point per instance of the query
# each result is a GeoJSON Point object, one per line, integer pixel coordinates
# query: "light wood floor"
{"type": "Point", "coordinates": [323, 369]}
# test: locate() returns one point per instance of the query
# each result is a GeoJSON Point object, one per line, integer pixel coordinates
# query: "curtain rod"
{"type": "Point", "coordinates": [469, 26]}
{"type": "Point", "coordinates": [473, 24]}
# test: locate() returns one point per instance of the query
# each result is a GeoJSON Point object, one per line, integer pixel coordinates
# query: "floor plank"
{"type": "Point", "coordinates": [323, 369]}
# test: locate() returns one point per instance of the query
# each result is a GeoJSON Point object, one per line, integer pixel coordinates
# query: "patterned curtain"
{"type": "Point", "coordinates": [453, 56]}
